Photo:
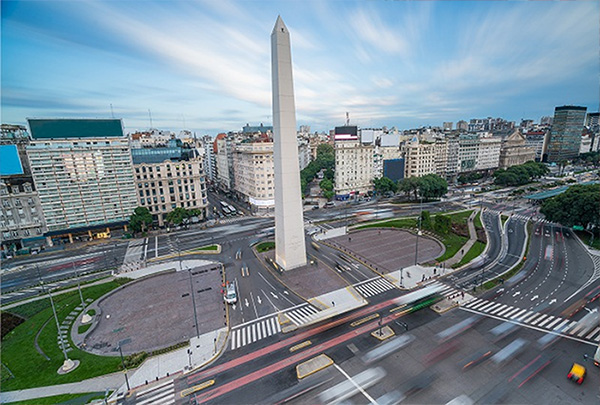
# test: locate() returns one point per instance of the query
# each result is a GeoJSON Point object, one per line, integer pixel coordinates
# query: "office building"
{"type": "Point", "coordinates": [488, 153]}
{"type": "Point", "coordinates": [565, 135]}
{"type": "Point", "coordinates": [537, 141]}
{"type": "Point", "coordinates": [83, 172]}
{"type": "Point", "coordinates": [254, 174]}
{"type": "Point", "coordinates": [224, 160]}
{"type": "Point", "coordinates": [592, 120]}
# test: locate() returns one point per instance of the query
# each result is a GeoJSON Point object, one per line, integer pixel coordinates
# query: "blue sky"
{"type": "Point", "coordinates": [205, 65]}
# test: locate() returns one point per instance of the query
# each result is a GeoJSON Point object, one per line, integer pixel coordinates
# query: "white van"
{"type": "Point", "coordinates": [230, 294]}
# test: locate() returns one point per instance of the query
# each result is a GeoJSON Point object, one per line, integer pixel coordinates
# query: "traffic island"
{"type": "Point", "coordinates": [313, 365]}
{"type": "Point", "coordinates": [383, 333]}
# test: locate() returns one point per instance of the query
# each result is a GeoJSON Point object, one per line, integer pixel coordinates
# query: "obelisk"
{"type": "Point", "coordinates": [290, 248]}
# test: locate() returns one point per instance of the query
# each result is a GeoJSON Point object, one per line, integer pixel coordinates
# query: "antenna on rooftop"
{"type": "Point", "coordinates": [112, 114]}
{"type": "Point", "coordinates": [347, 118]}
{"type": "Point", "coordinates": [150, 115]}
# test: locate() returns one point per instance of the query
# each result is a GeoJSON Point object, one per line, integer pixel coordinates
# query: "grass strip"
{"type": "Point", "coordinates": [477, 248]}
{"type": "Point", "coordinates": [265, 246]}
{"type": "Point", "coordinates": [205, 248]}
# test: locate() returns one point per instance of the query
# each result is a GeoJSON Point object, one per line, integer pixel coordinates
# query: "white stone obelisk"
{"type": "Point", "coordinates": [290, 248]}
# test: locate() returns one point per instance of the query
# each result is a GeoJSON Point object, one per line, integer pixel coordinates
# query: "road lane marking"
{"type": "Point", "coordinates": [358, 387]}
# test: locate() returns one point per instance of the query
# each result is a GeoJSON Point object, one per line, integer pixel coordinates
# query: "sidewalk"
{"type": "Point", "coordinates": [472, 239]}
{"type": "Point", "coordinates": [102, 383]}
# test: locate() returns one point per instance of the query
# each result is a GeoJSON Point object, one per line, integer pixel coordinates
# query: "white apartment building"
{"type": "Point", "coordinates": [254, 174]}
{"type": "Point", "coordinates": [83, 173]}
{"type": "Point", "coordinates": [419, 157]}
{"type": "Point", "coordinates": [488, 153]}
{"type": "Point", "coordinates": [353, 167]}
{"type": "Point", "coordinates": [468, 151]}
{"type": "Point", "coordinates": [304, 155]}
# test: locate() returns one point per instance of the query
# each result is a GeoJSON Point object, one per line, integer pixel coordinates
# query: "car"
{"type": "Point", "coordinates": [315, 207]}
{"type": "Point", "coordinates": [230, 293]}
{"type": "Point", "coordinates": [329, 204]}
{"type": "Point", "coordinates": [577, 373]}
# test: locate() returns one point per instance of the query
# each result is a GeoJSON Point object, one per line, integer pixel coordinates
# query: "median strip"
{"type": "Point", "coordinates": [300, 346]}
{"type": "Point", "coordinates": [363, 320]}
{"type": "Point", "coordinates": [197, 388]}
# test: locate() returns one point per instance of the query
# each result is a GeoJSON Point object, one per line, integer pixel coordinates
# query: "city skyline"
{"type": "Point", "coordinates": [202, 66]}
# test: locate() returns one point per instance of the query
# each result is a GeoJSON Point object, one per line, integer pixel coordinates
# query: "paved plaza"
{"type": "Point", "coordinates": [157, 311]}
{"type": "Point", "coordinates": [309, 281]}
{"type": "Point", "coordinates": [387, 250]}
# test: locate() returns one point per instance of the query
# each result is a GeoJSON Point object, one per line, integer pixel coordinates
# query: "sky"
{"type": "Point", "coordinates": [206, 65]}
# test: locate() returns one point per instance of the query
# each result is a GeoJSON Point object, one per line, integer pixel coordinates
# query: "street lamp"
{"type": "Point", "coordinates": [419, 230]}
{"type": "Point", "coordinates": [121, 343]}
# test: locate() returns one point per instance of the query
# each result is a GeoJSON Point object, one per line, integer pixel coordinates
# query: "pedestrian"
{"type": "Point", "coordinates": [423, 278]}
{"type": "Point", "coordinates": [434, 270]}
{"type": "Point", "coordinates": [332, 303]}
{"type": "Point", "coordinates": [462, 294]}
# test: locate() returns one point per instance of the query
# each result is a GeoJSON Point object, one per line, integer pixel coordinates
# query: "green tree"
{"type": "Point", "coordinates": [432, 186]}
{"type": "Point", "coordinates": [426, 220]}
{"type": "Point", "coordinates": [177, 216]}
{"type": "Point", "coordinates": [579, 205]}
{"type": "Point", "coordinates": [328, 194]}
{"type": "Point", "coordinates": [384, 184]}
{"type": "Point", "coordinates": [326, 185]}
{"type": "Point", "coordinates": [410, 185]}
{"type": "Point", "coordinates": [442, 224]}
{"type": "Point", "coordinates": [140, 219]}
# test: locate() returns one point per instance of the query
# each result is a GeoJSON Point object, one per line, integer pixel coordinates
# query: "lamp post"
{"type": "Point", "coordinates": [124, 368]}
{"type": "Point", "coordinates": [419, 231]}
{"type": "Point", "coordinates": [78, 284]}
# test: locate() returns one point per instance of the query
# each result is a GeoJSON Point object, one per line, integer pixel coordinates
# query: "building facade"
{"type": "Point", "coordinates": [255, 174]}
{"type": "Point", "coordinates": [168, 180]}
{"type": "Point", "coordinates": [420, 158]}
{"type": "Point", "coordinates": [83, 172]}
{"type": "Point", "coordinates": [224, 159]}
{"type": "Point", "coordinates": [353, 165]}
{"type": "Point", "coordinates": [488, 153]}
{"type": "Point", "coordinates": [515, 151]}
{"type": "Point", "coordinates": [537, 141]}
{"type": "Point", "coordinates": [565, 135]}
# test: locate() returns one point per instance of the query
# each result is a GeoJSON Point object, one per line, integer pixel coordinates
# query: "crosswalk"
{"type": "Point", "coordinates": [534, 319]}
{"type": "Point", "coordinates": [373, 287]}
{"type": "Point", "coordinates": [523, 216]}
{"type": "Point", "coordinates": [261, 328]}
{"type": "Point", "coordinates": [162, 394]}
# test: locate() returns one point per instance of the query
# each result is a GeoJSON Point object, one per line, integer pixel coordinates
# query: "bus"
{"type": "Point", "coordinates": [419, 299]}
{"type": "Point", "coordinates": [226, 210]}
{"type": "Point", "coordinates": [232, 209]}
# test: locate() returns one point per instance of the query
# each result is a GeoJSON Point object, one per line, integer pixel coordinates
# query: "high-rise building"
{"type": "Point", "coordinates": [168, 177]}
{"type": "Point", "coordinates": [447, 126]}
{"type": "Point", "coordinates": [420, 158]}
{"type": "Point", "coordinates": [537, 141]}
{"type": "Point", "coordinates": [462, 125]}
{"type": "Point", "coordinates": [565, 135]}
{"type": "Point", "coordinates": [83, 172]}
{"type": "Point", "coordinates": [546, 121]}
{"type": "Point", "coordinates": [488, 153]}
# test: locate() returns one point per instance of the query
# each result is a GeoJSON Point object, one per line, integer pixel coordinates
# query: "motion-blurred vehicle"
{"type": "Point", "coordinates": [509, 352]}
{"type": "Point", "coordinates": [577, 373]}
{"type": "Point", "coordinates": [387, 348]}
{"type": "Point", "coordinates": [476, 358]}
{"type": "Point", "coordinates": [503, 330]}
{"type": "Point", "coordinates": [348, 388]}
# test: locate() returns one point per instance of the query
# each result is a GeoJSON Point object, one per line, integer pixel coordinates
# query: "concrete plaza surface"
{"type": "Point", "coordinates": [159, 302]}
{"type": "Point", "coordinates": [387, 250]}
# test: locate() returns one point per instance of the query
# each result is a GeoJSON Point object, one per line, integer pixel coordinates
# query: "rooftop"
{"type": "Point", "coordinates": [75, 128]}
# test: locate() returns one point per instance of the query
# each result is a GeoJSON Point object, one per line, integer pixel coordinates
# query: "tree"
{"type": "Point", "coordinates": [426, 220]}
{"type": "Point", "coordinates": [140, 219]}
{"type": "Point", "coordinates": [579, 205]}
{"type": "Point", "coordinates": [326, 185]}
{"type": "Point", "coordinates": [442, 224]}
{"type": "Point", "coordinates": [432, 186]}
{"type": "Point", "coordinates": [384, 185]}
{"type": "Point", "coordinates": [410, 185]}
{"type": "Point", "coordinates": [520, 174]}
{"type": "Point", "coordinates": [177, 216]}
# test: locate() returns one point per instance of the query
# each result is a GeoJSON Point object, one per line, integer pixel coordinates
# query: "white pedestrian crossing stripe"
{"type": "Point", "coordinates": [534, 319]}
{"type": "Point", "coordinates": [262, 328]}
{"type": "Point", "coordinates": [162, 394]}
{"type": "Point", "coordinates": [373, 287]}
